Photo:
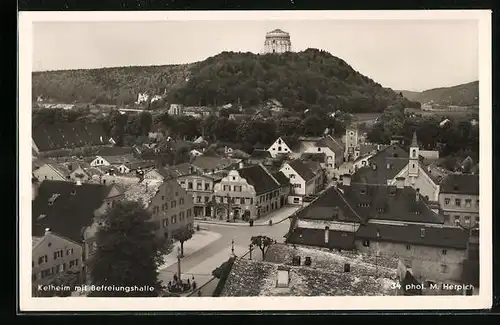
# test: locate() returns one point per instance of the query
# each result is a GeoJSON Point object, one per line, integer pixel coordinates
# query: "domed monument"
{"type": "Point", "coordinates": [277, 41]}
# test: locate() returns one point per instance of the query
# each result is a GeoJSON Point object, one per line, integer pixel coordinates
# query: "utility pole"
{"type": "Point", "coordinates": [251, 248]}
{"type": "Point", "coordinates": [232, 247]}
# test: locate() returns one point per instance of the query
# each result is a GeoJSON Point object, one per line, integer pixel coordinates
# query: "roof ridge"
{"type": "Point", "coordinates": [268, 173]}
{"type": "Point", "coordinates": [349, 205]}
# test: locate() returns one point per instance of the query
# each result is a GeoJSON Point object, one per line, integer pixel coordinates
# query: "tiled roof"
{"type": "Point", "coordinates": [260, 154]}
{"type": "Point", "coordinates": [209, 163]}
{"type": "Point", "coordinates": [259, 178]}
{"type": "Point", "coordinates": [381, 169]}
{"type": "Point", "coordinates": [303, 169]}
{"type": "Point", "coordinates": [144, 191]}
{"type": "Point", "coordinates": [319, 157]}
{"type": "Point", "coordinates": [61, 169]}
{"type": "Point", "coordinates": [325, 278]}
{"type": "Point", "coordinates": [281, 178]}
{"type": "Point", "coordinates": [446, 237]}
{"type": "Point", "coordinates": [316, 237]}
{"type": "Point", "coordinates": [68, 135]}
{"type": "Point", "coordinates": [365, 149]}
{"type": "Point", "coordinates": [334, 144]}
{"type": "Point", "coordinates": [120, 159]}
{"type": "Point", "coordinates": [401, 205]}
{"type": "Point", "coordinates": [460, 184]}
{"type": "Point", "coordinates": [69, 213]}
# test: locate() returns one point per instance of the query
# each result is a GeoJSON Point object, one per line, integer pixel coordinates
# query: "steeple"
{"type": "Point", "coordinates": [414, 142]}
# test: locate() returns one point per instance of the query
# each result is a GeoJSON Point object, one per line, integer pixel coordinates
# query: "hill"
{"type": "Point", "coordinates": [461, 95]}
{"type": "Point", "coordinates": [312, 79]}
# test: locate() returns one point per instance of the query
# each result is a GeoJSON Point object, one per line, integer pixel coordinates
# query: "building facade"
{"type": "Point", "coordinates": [459, 200]}
{"type": "Point", "coordinates": [306, 178]}
{"type": "Point", "coordinates": [277, 41]}
{"type": "Point", "coordinates": [201, 189]}
{"type": "Point", "coordinates": [54, 255]}
{"type": "Point", "coordinates": [247, 193]}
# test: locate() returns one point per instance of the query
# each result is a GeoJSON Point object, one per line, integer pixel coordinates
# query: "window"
{"type": "Point", "coordinates": [46, 273]}
{"type": "Point", "coordinates": [190, 185]}
{"type": "Point", "coordinates": [296, 200]}
{"type": "Point", "coordinates": [225, 199]}
{"type": "Point", "coordinates": [408, 247]}
{"type": "Point", "coordinates": [58, 254]}
{"type": "Point", "coordinates": [242, 200]}
{"type": "Point", "coordinates": [165, 223]}
{"type": "Point", "coordinates": [251, 200]}
{"type": "Point", "coordinates": [446, 218]}
{"type": "Point", "coordinates": [296, 186]}
{"type": "Point", "coordinates": [446, 201]}
{"type": "Point", "coordinates": [366, 243]}
{"type": "Point", "coordinates": [42, 259]}
{"type": "Point", "coordinates": [226, 188]}
{"type": "Point", "coordinates": [61, 268]}
{"type": "Point", "coordinates": [292, 176]}
{"type": "Point", "coordinates": [279, 148]}
{"type": "Point", "coordinates": [199, 186]}
{"type": "Point", "coordinates": [198, 199]}
{"type": "Point", "coordinates": [207, 186]}
{"type": "Point", "coordinates": [444, 268]}
{"type": "Point", "coordinates": [477, 219]}
{"type": "Point", "coordinates": [444, 251]}
{"type": "Point", "coordinates": [206, 199]}
{"type": "Point", "coordinates": [183, 183]}
{"type": "Point", "coordinates": [237, 188]}
{"type": "Point", "coordinates": [181, 216]}
{"type": "Point", "coordinates": [181, 201]}
{"type": "Point", "coordinates": [457, 219]}
{"type": "Point", "coordinates": [468, 203]}
{"type": "Point", "coordinates": [319, 149]}
{"type": "Point", "coordinates": [467, 219]}
{"type": "Point", "coordinates": [173, 219]}
{"type": "Point", "coordinates": [458, 202]}
{"type": "Point", "coordinates": [72, 263]}
{"type": "Point", "coordinates": [163, 197]}
{"type": "Point", "coordinates": [173, 204]}
{"type": "Point", "coordinates": [188, 213]}
{"type": "Point", "coordinates": [69, 251]}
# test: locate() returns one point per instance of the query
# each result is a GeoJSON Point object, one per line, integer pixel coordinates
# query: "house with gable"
{"type": "Point", "coordinates": [68, 210]}
{"type": "Point", "coordinates": [384, 220]}
{"type": "Point", "coordinates": [54, 255]}
{"type": "Point", "coordinates": [393, 162]}
{"type": "Point", "coordinates": [306, 178]}
{"type": "Point", "coordinates": [247, 193]}
{"type": "Point", "coordinates": [282, 146]}
{"type": "Point", "coordinates": [332, 148]}
{"type": "Point", "coordinates": [52, 171]}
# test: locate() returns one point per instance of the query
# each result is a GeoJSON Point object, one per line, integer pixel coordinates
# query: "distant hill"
{"type": "Point", "coordinates": [312, 79]}
{"type": "Point", "coordinates": [461, 95]}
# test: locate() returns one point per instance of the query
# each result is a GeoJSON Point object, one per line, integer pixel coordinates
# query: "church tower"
{"type": "Point", "coordinates": [351, 144]}
{"type": "Point", "coordinates": [413, 161]}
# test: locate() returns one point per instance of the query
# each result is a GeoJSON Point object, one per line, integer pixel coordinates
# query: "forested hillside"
{"type": "Point", "coordinates": [311, 79]}
{"type": "Point", "coordinates": [461, 95]}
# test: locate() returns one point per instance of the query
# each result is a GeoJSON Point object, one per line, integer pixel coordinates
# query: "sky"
{"type": "Point", "coordinates": [403, 55]}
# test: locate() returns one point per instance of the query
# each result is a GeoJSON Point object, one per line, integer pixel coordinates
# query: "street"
{"type": "Point", "coordinates": [201, 262]}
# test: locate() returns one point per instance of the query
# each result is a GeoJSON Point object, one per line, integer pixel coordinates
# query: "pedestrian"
{"type": "Point", "coordinates": [199, 293]}
{"type": "Point", "coordinates": [194, 285]}
{"type": "Point", "coordinates": [175, 278]}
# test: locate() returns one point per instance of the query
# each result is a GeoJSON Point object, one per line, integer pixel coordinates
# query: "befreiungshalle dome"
{"type": "Point", "coordinates": [277, 41]}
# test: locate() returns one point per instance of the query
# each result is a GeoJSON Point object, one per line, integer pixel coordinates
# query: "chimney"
{"type": "Point", "coordinates": [417, 195]}
{"type": "Point", "coordinates": [422, 232]}
{"type": "Point", "coordinates": [327, 233]}
{"type": "Point", "coordinates": [78, 182]}
{"type": "Point", "coordinates": [241, 164]}
{"type": "Point", "coordinates": [47, 231]}
{"type": "Point", "coordinates": [400, 182]}
{"type": "Point", "coordinates": [388, 166]}
{"type": "Point", "coordinates": [346, 180]}
{"type": "Point", "coordinates": [374, 166]}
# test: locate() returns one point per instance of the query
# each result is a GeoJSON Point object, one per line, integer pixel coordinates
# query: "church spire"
{"type": "Point", "coordinates": [414, 142]}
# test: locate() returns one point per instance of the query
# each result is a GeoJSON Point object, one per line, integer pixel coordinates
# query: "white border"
{"type": "Point", "coordinates": [27, 303]}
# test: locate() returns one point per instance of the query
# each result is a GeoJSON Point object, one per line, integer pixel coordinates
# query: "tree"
{"type": "Point", "coordinates": [263, 242]}
{"type": "Point", "coordinates": [183, 235]}
{"type": "Point", "coordinates": [127, 251]}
